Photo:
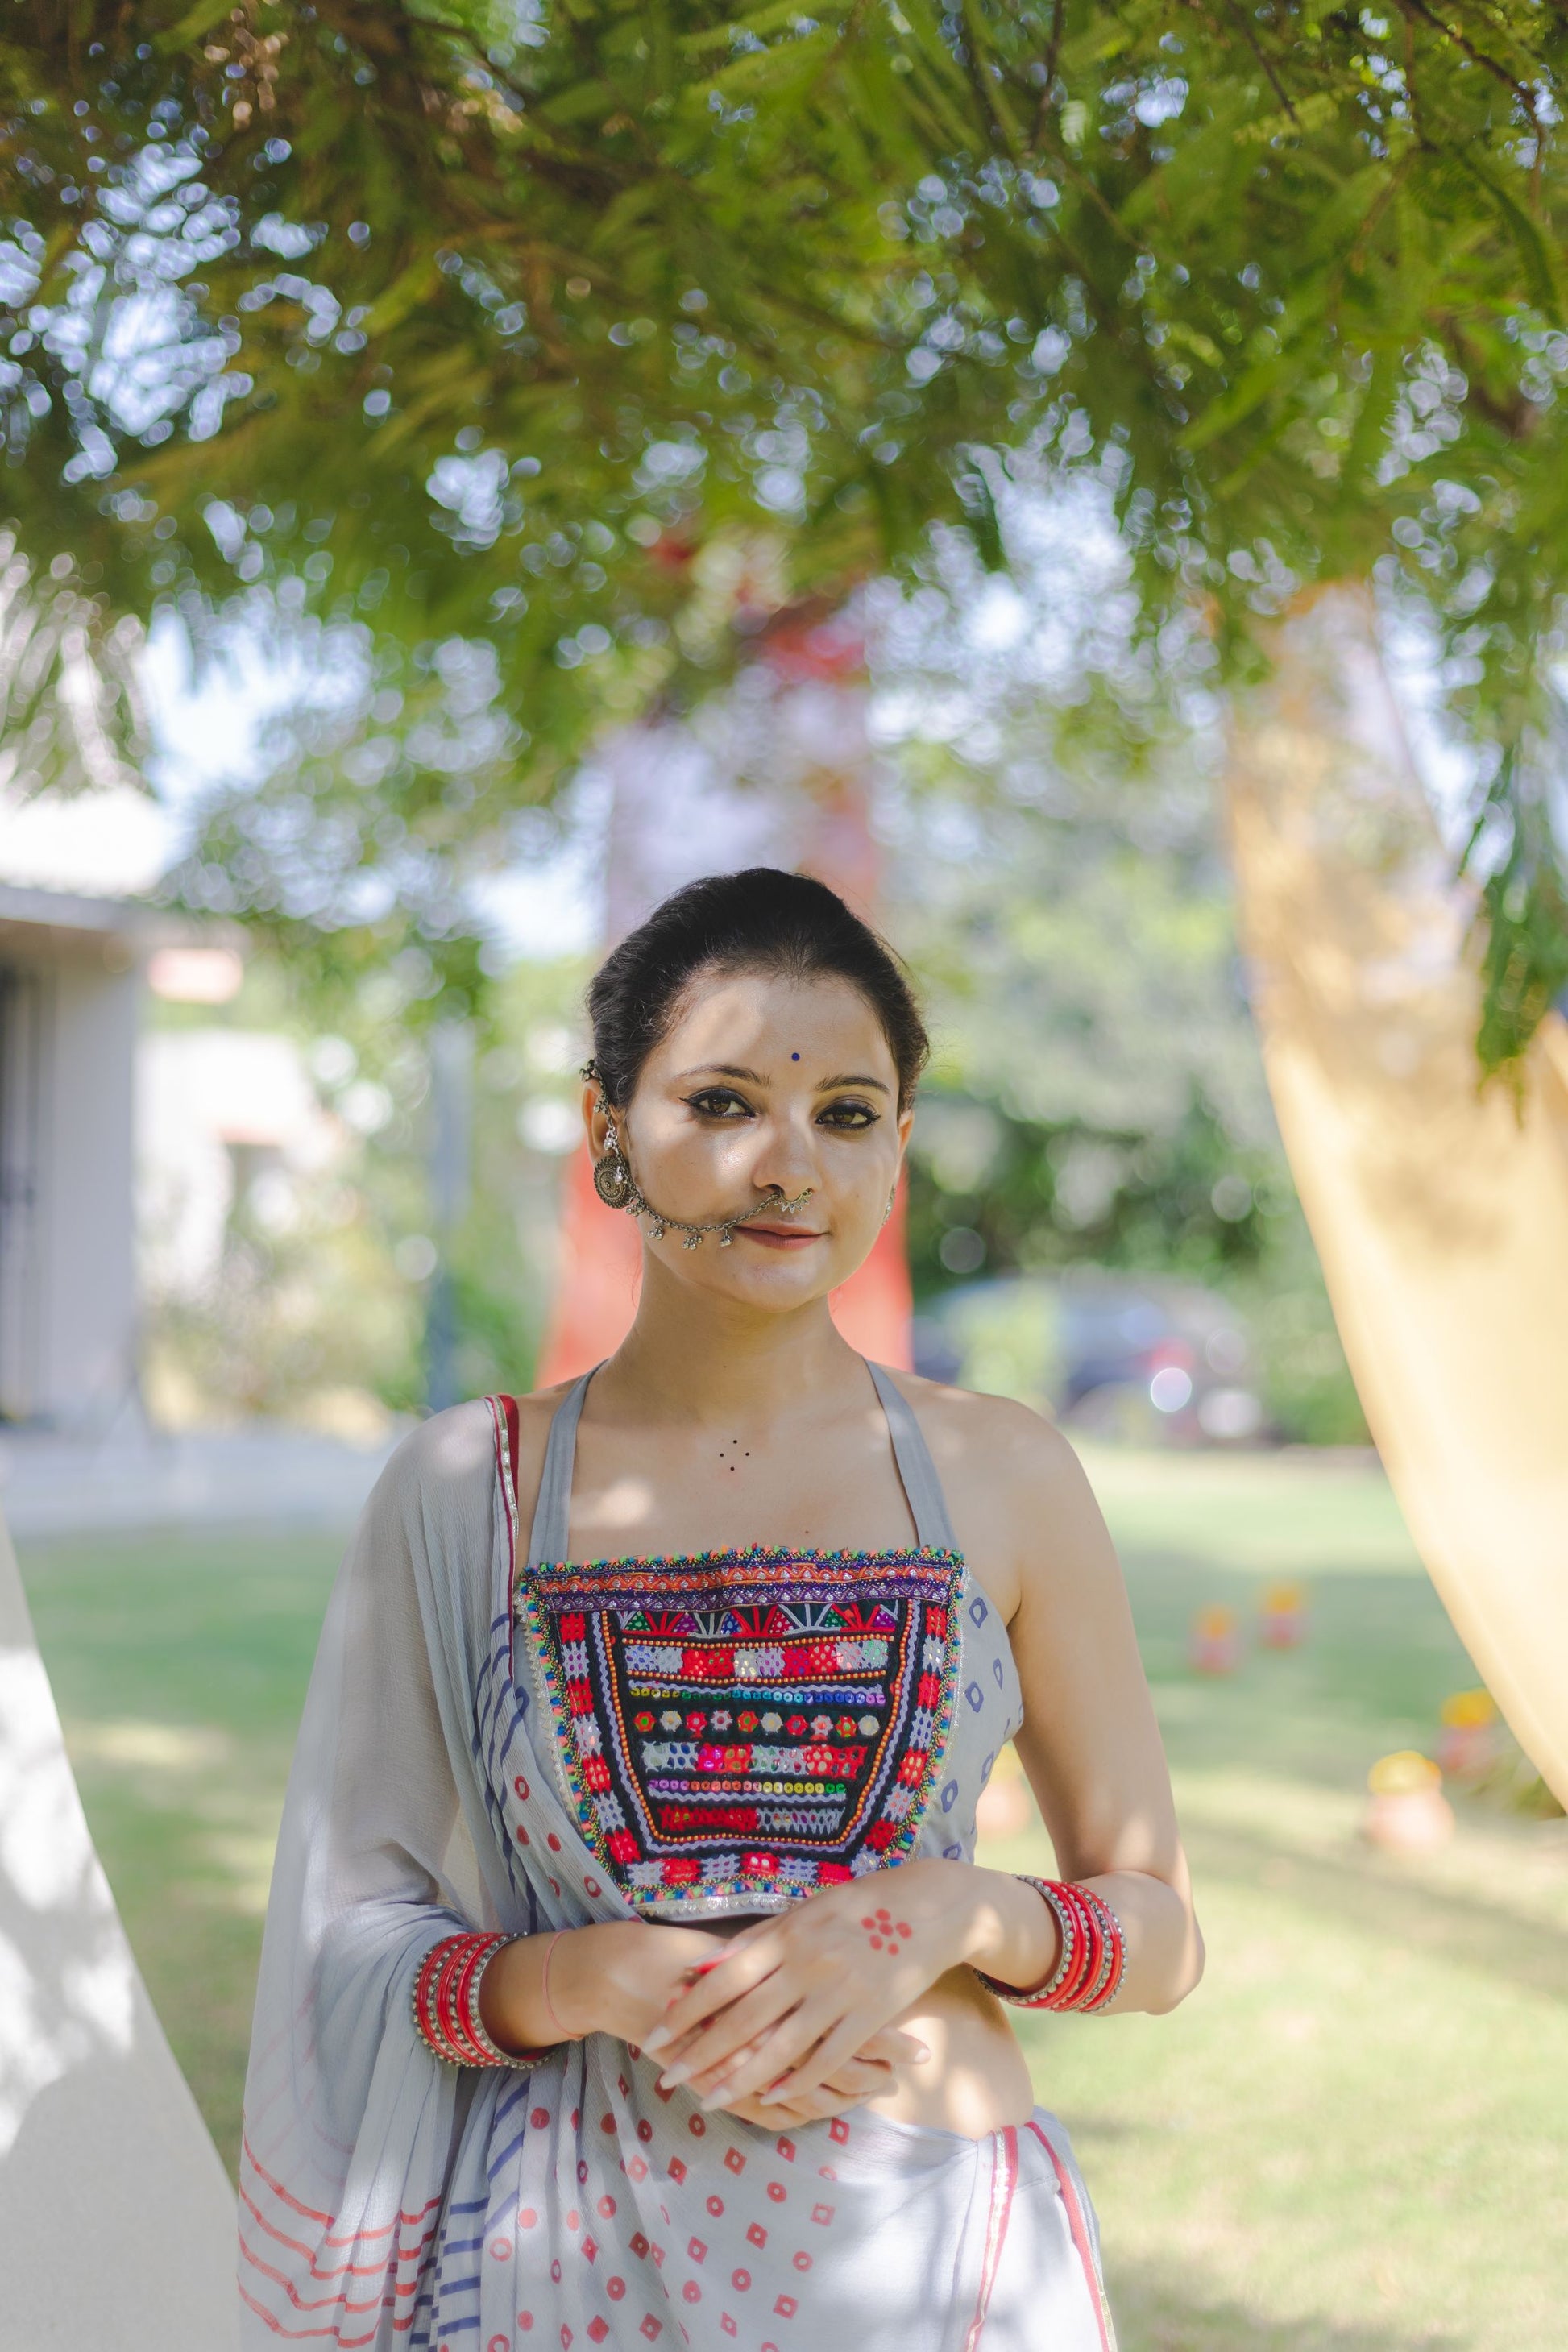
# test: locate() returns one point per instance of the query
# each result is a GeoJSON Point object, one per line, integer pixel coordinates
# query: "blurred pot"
{"type": "Point", "coordinates": [1407, 1812]}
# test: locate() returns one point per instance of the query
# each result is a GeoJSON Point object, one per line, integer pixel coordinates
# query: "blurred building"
{"type": "Point", "coordinates": [70, 983]}
{"type": "Point", "coordinates": [79, 948]}
{"type": "Point", "coordinates": [73, 948]}
{"type": "Point", "coordinates": [218, 1110]}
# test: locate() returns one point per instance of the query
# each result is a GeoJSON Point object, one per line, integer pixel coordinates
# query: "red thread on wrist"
{"type": "Point", "coordinates": [560, 2032]}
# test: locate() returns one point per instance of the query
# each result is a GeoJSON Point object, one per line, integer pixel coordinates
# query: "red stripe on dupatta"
{"type": "Point", "coordinates": [513, 1419]}
{"type": "Point", "coordinates": [1079, 2229]}
{"type": "Point", "coordinates": [1004, 2181]}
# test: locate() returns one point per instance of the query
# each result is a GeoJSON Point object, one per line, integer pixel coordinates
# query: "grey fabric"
{"type": "Point", "coordinates": [928, 1504]}
{"type": "Point", "coordinates": [551, 1533]}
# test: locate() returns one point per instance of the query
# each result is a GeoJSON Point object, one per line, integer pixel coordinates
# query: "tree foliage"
{"type": "Point", "coordinates": [596, 335]}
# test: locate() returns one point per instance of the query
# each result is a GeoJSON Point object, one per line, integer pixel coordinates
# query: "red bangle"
{"type": "Point", "coordinates": [455, 2016]}
{"type": "Point", "coordinates": [1104, 1992]}
{"type": "Point", "coordinates": [1094, 1982]}
{"type": "Point", "coordinates": [423, 2019]}
{"type": "Point", "coordinates": [445, 2004]}
{"type": "Point", "coordinates": [446, 1985]}
{"type": "Point", "coordinates": [1087, 1958]}
{"type": "Point", "coordinates": [436, 1967]}
{"type": "Point", "coordinates": [1104, 1986]}
{"type": "Point", "coordinates": [1041, 1996]}
{"type": "Point", "coordinates": [1088, 1970]}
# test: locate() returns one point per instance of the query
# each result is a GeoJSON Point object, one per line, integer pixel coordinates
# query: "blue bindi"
{"type": "Point", "coordinates": [794, 1057]}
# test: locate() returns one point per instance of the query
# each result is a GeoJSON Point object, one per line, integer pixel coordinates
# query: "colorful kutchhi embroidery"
{"type": "Point", "coordinates": [739, 1727]}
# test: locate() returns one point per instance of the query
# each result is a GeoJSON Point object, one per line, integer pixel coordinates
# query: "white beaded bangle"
{"type": "Point", "coordinates": [1039, 1995]}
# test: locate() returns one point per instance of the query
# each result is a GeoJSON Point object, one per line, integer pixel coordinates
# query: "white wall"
{"type": "Point", "coordinates": [87, 1287]}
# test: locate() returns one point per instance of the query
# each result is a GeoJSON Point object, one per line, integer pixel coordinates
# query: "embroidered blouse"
{"type": "Point", "coordinates": [734, 1729]}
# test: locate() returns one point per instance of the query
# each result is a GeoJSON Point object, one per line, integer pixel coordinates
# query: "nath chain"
{"type": "Point", "coordinates": [618, 1189]}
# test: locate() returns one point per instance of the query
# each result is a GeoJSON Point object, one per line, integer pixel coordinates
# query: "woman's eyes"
{"type": "Point", "coordinates": [718, 1102]}
{"type": "Point", "coordinates": [843, 1114]}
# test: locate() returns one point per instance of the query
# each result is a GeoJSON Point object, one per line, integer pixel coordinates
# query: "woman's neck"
{"type": "Point", "coordinates": [692, 1359]}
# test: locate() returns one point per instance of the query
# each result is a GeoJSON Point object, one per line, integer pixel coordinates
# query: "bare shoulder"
{"type": "Point", "coordinates": [1023, 1511]}
{"type": "Point", "coordinates": [992, 1440]}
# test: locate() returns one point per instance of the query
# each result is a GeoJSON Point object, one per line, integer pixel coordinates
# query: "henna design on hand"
{"type": "Point", "coordinates": [884, 1931]}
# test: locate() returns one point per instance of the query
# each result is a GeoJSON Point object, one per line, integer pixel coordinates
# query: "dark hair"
{"type": "Point", "coordinates": [758, 920]}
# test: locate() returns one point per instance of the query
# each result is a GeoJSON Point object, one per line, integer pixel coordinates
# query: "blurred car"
{"type": "Point", "coordinates": [1139, 1359]}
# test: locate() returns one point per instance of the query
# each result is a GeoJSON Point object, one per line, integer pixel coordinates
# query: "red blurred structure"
{"type": "Point", "coordinates": [785, 782]}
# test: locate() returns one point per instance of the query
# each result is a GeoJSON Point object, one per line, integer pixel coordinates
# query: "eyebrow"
{"type": "Point", "coordinates": [755, 1078]}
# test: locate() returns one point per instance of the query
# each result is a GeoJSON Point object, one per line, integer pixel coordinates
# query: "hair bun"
{"type": "Point", "coordinates": [759, 919]}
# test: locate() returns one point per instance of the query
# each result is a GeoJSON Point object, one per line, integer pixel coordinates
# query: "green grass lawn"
{"type": "Point", "coordinates": [1354, 2137]}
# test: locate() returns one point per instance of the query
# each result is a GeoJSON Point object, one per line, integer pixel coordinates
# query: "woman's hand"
{"type": "Point", "coordinates": [621, 1976]}
{"type": "Point", "coordinates": [794, 2003]}
{"type": "Point", "coordinates": [862, 2077]}
{"type": "Point", "coordinates": [617, 1977]}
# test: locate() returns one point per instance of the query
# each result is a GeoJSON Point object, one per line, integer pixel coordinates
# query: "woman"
{"type": "Point", "coordinates": [628, 1978]}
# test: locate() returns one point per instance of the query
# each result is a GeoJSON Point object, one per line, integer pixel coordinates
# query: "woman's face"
{"type": "Point", "coordinates": [765, 1085]}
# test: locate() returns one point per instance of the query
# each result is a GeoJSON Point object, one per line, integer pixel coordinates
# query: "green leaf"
{"type": "Point", "coordinates": [193, 26]}
{"type": "Point", "coordinates": [1536, 258]}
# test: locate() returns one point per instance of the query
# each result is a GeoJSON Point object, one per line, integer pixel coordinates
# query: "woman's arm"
{"type": "Point", "coordinates": [1089, 1744]}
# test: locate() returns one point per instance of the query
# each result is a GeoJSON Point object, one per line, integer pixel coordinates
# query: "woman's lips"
{"type": "Point", "coordinates": [776, 1236]}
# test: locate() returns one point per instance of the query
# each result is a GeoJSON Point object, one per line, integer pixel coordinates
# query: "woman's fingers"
{"type": "Point", "coordinates": [711, 2087]}
{"type": "Point", "coordinates": [811, 2107]}
{"type": "Point", "coordinates": [747, 1962]}
{"type": "Point", "coordinates": [795, 2045]}
{"type": "Point", "coordinates": [719, 2041]}
{"type": "Point", "coordinates": [895, 2047]}
{"type": "Point", "coordinates": [788, 2047]}
{"type": "Point", "coordinates": [762, 2062]}
{"type": "Point", "coordinates": [816, 2066]}
{"type": "Point", "coordinates": [858, 2078]}
{"type": "Point", "coordinates": [808, 2111]}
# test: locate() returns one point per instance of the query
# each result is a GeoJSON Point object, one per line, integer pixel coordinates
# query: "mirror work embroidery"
{"type": "Point", "coordinates": [737, 1729]}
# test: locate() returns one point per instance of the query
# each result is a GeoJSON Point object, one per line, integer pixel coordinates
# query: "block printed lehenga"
{"type": "Point", "coordinates": [492, 1740]}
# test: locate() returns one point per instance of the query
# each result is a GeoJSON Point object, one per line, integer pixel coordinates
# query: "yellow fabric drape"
{"type": "Point", "coordinates": [1440, 1212]}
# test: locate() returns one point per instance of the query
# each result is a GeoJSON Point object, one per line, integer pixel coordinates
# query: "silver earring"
{"type": "Point", "coordinates": [892, 1199]}
{"type": "Point", "coordinates": [611, 1176]}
